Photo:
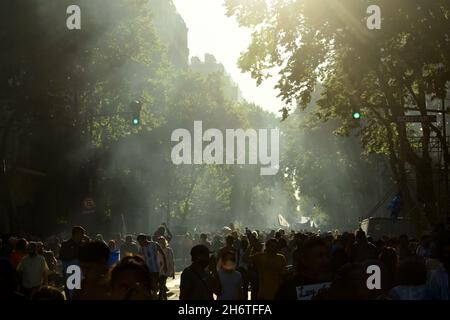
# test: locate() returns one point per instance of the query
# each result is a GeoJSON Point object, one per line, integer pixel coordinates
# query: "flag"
{"type": "Point", "coordinates": [282, 221]}
{"type": "Point", "coordinates": [304, 220]}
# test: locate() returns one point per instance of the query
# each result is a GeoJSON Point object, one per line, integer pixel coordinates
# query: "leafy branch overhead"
{"type": "Point", "coordinates": [325, 45]}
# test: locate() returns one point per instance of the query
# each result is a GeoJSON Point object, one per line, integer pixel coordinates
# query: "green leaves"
{"type": "Point", "coordinates": [247, 12]}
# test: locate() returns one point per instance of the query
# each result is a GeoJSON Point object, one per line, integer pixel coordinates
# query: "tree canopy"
{"type": "Point", "coordinates": [381, 73]}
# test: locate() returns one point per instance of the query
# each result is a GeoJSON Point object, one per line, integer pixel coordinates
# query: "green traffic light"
{"type": "Point", "coordinates": [356, 115]}
{"type": "Point", "coordinates": [135, 121]}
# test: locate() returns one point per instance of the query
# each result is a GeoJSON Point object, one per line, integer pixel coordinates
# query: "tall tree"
{"type": "Point", "coordinates": [377, 72]}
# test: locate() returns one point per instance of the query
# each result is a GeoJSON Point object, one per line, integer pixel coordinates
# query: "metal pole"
{"type": "Point", "coordinates": [445, 146]}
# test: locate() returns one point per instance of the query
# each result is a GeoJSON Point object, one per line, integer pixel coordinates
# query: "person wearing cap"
{"type": "Point", "coordinates": [198, 283]}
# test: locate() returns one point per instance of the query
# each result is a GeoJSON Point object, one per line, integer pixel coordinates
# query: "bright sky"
{"type": "Point", "coordinates": [211, 31]}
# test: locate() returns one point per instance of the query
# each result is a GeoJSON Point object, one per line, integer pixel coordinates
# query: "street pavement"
{"type": "Point", "coordinates": [174, 286]}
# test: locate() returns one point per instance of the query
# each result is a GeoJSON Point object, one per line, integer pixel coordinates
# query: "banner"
{"type": "Point", "coordinates": [283, 222]}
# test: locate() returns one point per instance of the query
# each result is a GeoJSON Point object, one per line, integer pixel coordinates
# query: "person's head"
{"type": "Point", "coordinates": [21, 245]}
{"type": "Point", "coordinates": [160, 231]}
{"type": "Point", "coordinates": [228, 261]}
{"type": "Point", "coordinates": [78, 234]}
{"type": "Point", "coordinates": [162, 242]}
{"type": "Point", "coordinates": [412, 271]}
{"type": "Point", "coordinates": [314, 256]}
{"type": "Point", "coordinates": [203, 237]}
{"type": "Point", "coordinates": [142, 239]}
{"type": "Point", "coordinates": [48, 293]}
{"type": "Point", "coordinates": [40, 247]}
{"type": "Point", "coordinates": [200, 255]}
{"type": "Point", "coordinates": [112, 245]}
{"type": "Point", "coordinates": [130, 279]}
{"type": "Point", "coordinates": [93, 257]}
{"type": "Point", "coordinates": [329, 238]}
{"type": "Point", "coordinates": [229, 241]}
{"type": "Point", "coordinates": [388, 256]}
{"type": "Point", "coordinates": [360, 236]}
{"type": "Point", "coordinates": [32, 249]}
{"type": "Point", "coordinates": [129, 239]}
{"type": "Point", "coordinates": [272, 246]}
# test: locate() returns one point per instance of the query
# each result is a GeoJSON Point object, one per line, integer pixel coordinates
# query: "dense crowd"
{"type": "Point", "coordinates": [229, 264]}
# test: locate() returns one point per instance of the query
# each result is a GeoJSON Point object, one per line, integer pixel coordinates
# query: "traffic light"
{"type": "Point", "coordinates": [136, 112]}
{"type": "Point", "coordinates": [356, 115]}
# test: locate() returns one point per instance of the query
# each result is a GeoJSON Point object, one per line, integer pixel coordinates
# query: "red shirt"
{"type": "Point", "coordinates": [15, 258]}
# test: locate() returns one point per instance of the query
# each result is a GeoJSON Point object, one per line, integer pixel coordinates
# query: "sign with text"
{"type": "Point", "coordinates": [88, 206]}
{"type": "Point", "coordinates": [88, 203]}
{"type": "Point", "coordinates": [307, 292]}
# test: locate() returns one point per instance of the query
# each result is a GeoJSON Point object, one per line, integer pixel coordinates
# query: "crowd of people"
{"type": "Point", "coordinates": [229, 264]}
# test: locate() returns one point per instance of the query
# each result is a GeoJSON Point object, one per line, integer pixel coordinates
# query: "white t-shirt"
{"type": "Point", "coordinates": [32, 271]}
{"type": "Point", "coordinates": [231, 284]}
